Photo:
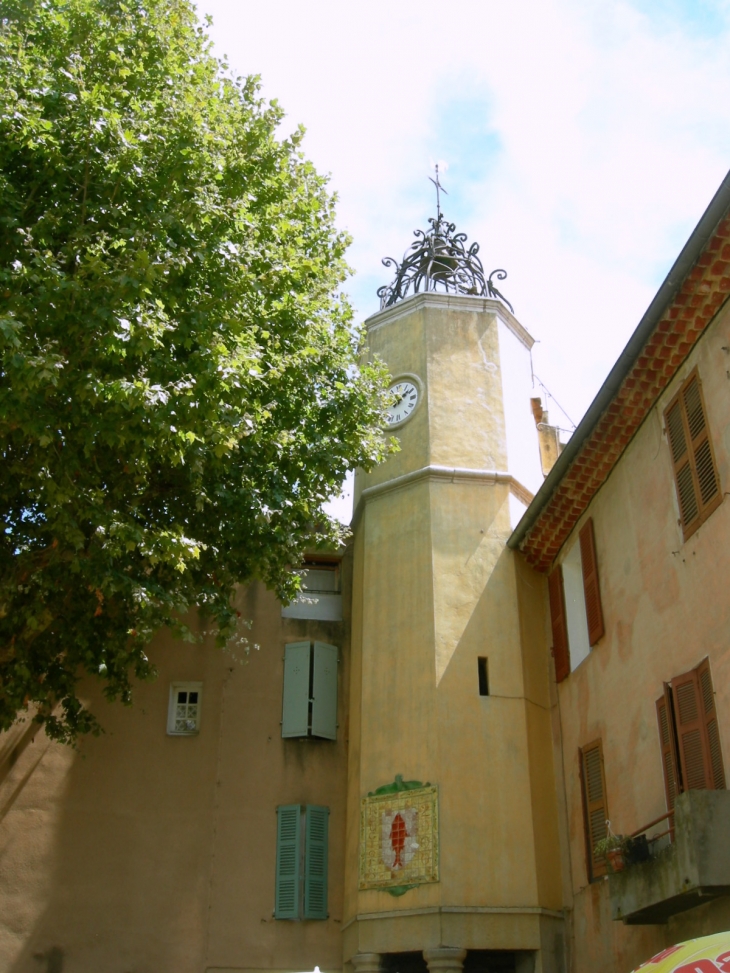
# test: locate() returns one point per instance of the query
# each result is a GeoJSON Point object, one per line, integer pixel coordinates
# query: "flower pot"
{"type": "Point", "coordinates": [616, 859]}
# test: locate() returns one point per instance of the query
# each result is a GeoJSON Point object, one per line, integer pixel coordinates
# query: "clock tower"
{"type": "Point", "coordinates": [452, 833]}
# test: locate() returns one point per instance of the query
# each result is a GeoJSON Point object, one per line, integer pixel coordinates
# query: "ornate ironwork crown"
{"type": "Point", "coordinates": [438, 259]}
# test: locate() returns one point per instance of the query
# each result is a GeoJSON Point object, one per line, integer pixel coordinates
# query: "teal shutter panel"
{"type": "Point", "coordinates": [315, 862]}
{"type": "Point", "coordinates": [295, 705]}
{"type": "Point", "coordinates": [324, 692]}
{"type": "Point", "coordinates": [288, 850]}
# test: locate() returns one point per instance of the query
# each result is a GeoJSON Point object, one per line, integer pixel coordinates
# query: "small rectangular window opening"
{"type": "Point", "coordinates": [183, 715]}
{"type": "Point", "coordinates": [483, 676]}
{"type": "Point", "coordinates": [321, 576]}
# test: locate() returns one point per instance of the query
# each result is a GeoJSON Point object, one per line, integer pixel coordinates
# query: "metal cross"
{"type": "Point", "coordinates": [439, 189]}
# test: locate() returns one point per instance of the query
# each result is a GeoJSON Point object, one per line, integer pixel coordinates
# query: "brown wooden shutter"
{"type": "Point", "coordinates": [691, 735]}
{"type": "Point", "coordinates": [561, 652]}
{"type": "Point", "coordinates": [712, 733]}
{"type": "Point", "coordinates": [695, 470]}
{"type": "Point", "coordinates": [668, 740]}
{"type": "Point", "coordinates": [594, 805]}
{"type": "Point", "coordinates": [594, 611]}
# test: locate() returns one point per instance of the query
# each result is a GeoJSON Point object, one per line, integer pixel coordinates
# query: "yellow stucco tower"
{"type": "Point", "coordinates": [452, 834]}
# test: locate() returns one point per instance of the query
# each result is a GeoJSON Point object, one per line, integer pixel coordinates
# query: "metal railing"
{"type": "Point", "coordinates": [669, 816]}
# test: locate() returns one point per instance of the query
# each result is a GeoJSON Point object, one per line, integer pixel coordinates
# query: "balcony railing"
{"type": "Point", "coordinates": [693, 867]}
{"type": "Point", "coordinates": [642, 846]}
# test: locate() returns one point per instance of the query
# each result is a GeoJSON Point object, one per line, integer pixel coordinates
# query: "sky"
{"type": "Point", "coordinates": [579, 142]}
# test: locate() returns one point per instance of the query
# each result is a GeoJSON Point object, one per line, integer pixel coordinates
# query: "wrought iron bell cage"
{"type": "Point", "coordinates": [440, 260]}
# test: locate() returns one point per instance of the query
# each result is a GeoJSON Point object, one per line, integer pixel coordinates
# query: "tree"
{"type": "Point", "coordinates": [179, 391]}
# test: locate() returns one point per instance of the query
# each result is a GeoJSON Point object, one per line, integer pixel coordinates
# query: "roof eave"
{"type": "Point", "coordinates": [690, 253]}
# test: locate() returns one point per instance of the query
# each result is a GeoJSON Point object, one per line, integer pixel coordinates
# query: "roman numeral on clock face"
{"type": "Point", "coordinates": [405, 395]}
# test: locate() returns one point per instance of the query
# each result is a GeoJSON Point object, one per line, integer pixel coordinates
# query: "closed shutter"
{"type": "Point", "coordinates": [295, 703]}
{"type": "Point", "coordinates": [324, 691]}
{"type": "Point", "coordinates": [668, 740]}
{"type": "Point", "coordinates": [561, 653]}
{"type": "Point", "coordinates": [594, 806]}
{"type": "Point", "coordinates": [288, 850]}
{"type": "Point", "coordinates": [315, 862]}
{"type": "Point", "coordinates": [695, 470]}
{"type": "Point", "coordinates": [693, 750]}
{"type": "Point", "coordinates": [594, 610]}
{"type": "Point", "coordinates": [717, 772]}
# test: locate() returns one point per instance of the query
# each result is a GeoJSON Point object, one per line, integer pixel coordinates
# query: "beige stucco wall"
{"type": "Point", "coordinates": [145, 852]}
{"type": "Point", "coordinates": [666, 607]}
{"type": "Point", "coordinates": [435, 588]}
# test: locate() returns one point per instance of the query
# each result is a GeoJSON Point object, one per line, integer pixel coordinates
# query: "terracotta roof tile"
{"type": "Point", "coordinates": [702, 293]}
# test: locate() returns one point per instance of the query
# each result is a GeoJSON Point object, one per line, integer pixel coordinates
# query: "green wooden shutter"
{"type": "Point", "coordinates": [288, 850]}
{"type": "Point", "coordinates": [315, 862]}
{"type": "Point", "coordinates": [324, 692]}
{"type": "Point", "coordinates": [295, 704]}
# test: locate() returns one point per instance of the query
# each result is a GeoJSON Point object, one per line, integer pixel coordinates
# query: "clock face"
{"type": "Point", "coordinates": [406, 399]}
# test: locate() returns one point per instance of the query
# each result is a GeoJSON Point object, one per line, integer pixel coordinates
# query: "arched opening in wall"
{"type": "Point", "coordinates": [404, 963]}
{"type": "Point", "coordinates": [477, 961]}
{"type": "Point", "coordinates": [490, 961]}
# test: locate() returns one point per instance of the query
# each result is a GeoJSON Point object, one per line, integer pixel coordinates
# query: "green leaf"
{"type": "Point", "coordinates": [179, 377]}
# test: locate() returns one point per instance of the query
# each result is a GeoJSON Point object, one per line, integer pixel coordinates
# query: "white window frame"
{"type": "Point", "coordinates": [175, 688]}
{"type": "Point", "coordinates": [575, 606]}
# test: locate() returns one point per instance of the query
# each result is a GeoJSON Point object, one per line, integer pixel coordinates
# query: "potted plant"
{"type": "Point", "coordinates": [612, 848]}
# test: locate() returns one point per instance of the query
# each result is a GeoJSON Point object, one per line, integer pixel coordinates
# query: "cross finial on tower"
{"type": "Point", "coordinates": [439, 189]}
{"type": "Point", "coordinates": [440, 259]}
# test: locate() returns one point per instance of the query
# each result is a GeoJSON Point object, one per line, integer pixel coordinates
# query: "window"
{"type": "Point", "coordinates": [321, 576]}
{"type": "Point", "coordinates": [320, 595]}
{"type": "Point", "coordinates": [595, 808]}
{"type": "Point", "coordinates": [301, 862]}
{"type": "Point", "coordinates": [309, 705]}
{"type": "Point", "coordinates": [591, 589]}
{"type": "Point", "coordinates": [689, 736]}
{"type": "Point", "coordinates": [575, 603]}
{"type": "Point", "coordinates": [576, 618]}
{"type": "Point", "coordinates": [483, 672]}
{"type": "Point", "coordinates": [183, 713]}
{"type": "Point", "coordinates": [695, 470]}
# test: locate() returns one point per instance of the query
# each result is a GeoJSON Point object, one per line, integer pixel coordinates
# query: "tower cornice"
{"type": "Point", "coordinates": [453, 474]}
{"type": "Point", "coordinates": [453, 302]}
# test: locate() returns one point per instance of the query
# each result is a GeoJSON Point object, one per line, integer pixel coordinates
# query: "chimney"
{"type": "Point", "coordinates": [547, 436]}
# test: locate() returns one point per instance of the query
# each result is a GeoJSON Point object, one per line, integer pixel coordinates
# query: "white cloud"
{"type": "Point", "coordinates": [589, 138]}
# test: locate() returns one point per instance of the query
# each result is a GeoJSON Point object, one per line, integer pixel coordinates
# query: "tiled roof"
{"type": "Point", "coordinates": [702, 293]}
